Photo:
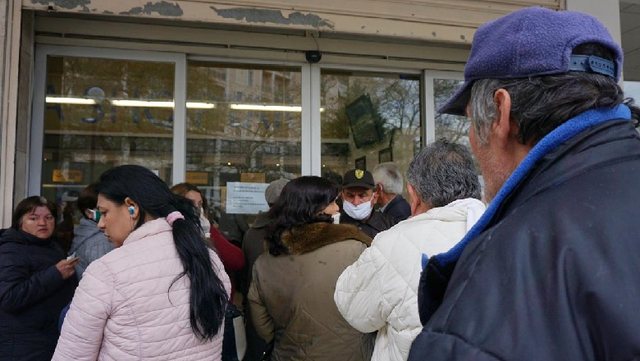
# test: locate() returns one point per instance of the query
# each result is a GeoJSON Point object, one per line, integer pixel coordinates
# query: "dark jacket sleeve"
{"type": "Point", "coordinates": [435, 346]}
{"type": "Point", "coordinates": [18, 287]}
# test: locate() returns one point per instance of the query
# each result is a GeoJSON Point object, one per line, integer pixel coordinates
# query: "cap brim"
{"type": "Point", "coordinates": [457, 104]}
{"type": "Point", "coordinates": [359, 184]}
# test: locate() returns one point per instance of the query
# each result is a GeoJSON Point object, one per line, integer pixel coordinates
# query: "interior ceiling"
{"type": "Point", "coordinates": [630, 26]}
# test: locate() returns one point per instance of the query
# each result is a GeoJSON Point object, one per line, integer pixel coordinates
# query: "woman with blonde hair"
{"type": "Point", "coordinates": [230, 254]}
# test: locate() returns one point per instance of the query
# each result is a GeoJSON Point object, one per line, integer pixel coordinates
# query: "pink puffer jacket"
{"type": "Point", "coordinates": [126, 308]}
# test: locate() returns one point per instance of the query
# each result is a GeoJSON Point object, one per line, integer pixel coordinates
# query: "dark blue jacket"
{"type": "Point", "coordinates": [376, 223]}
{"type": "Point", "coordinates": [556, 273]}
{"type": "Point", "coordinates": [32, 294]}
{"type": "Point", "coordinates": [398, 209]}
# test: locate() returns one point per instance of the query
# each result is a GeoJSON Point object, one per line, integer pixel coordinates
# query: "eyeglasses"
{"type": "Point", "coordinates": [95, 214]}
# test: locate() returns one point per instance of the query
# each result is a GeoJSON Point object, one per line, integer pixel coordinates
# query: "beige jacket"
{"type": "Point", "coordinates": [291, 296]}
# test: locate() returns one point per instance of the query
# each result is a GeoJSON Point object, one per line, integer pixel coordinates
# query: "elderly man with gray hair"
{"type": "Point", "coordinates": [389, 185]}
{"type": "Point", "coordinates": [379, 291]}
{"type": "Point", "coordinates": [551, 270]}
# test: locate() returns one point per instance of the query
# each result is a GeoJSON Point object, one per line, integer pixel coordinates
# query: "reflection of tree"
{"type": "Point", "coordinates": [452, 127]}
{"type": "Point", "coordinates": [400, 106]}
{"type": "Point", "coordinates": [261, 132]}
{"type": "Point", "coordinates": [396, 101]}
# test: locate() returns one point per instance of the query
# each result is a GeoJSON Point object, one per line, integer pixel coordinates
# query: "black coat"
{"type": "Point", "coordinates": [556, 273]}
{"type": "Point", "coordinates": [32, 294]}
{"type": "Point", "coordinates": [398, 208]}
{"type": "Point", "coordinates": [376, 223]}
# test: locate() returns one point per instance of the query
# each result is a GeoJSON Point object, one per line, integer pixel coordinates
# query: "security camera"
{"type": "Point", "coordinates": [313, 56]}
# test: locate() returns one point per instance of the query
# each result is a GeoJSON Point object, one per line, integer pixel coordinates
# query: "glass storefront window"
{"type": "Point", "coordinates": [243, 125]}
{"type": "Point", "coordinates": [451, 127]}
{"type": "Point", "coordinates": [101, 113]}
{"type": "Point", "coordinates": [367, 119]}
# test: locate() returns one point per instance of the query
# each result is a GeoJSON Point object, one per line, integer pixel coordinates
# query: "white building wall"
{"type": "Point", "coordinates": [607, 11]}
{"type": "Point", "coordinates": [9, 58]}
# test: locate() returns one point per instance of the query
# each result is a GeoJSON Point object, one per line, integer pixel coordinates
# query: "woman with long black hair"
{"type": "Point", "coordinates": [291, 293]}
{"type": "Point", "coordinates": [161, 294]}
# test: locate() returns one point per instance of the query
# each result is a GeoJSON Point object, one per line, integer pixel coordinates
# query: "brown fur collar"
{"type": "Point", "coordinates": [312, 236]}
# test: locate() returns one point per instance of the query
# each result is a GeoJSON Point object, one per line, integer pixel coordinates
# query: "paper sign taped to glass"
{"type": "Point", "coordinates": [246, 198]}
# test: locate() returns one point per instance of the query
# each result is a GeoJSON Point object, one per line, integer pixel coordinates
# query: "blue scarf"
{"type": "Point", "coordinates": [551, 141]}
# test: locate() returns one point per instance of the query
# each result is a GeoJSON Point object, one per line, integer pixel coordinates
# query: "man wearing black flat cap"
{"type": "Point", "coordinates": [551, 270]}
{"type": "Point", "coordinates": [358, 199]}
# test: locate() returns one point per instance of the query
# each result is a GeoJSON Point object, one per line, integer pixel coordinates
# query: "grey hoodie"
{"type": "Point", "coordinates": [89, 243]}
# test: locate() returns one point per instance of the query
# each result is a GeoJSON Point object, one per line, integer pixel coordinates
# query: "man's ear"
{"type": "Point", "coordinates": [502, 127]}
{"type": "Point", "coordinates": [374, 196]}
{"type": "Point", "coordinates": [414, 200]}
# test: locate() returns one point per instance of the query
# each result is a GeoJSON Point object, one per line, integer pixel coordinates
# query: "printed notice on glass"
{"type": "Point", "coordinates": [246, 198]}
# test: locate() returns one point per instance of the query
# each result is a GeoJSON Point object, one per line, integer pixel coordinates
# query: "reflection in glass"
{"type": "Point", "coordinates": [368, 118]}
{"type": "Point", "coordinates": [250, 133]}
{"type": "Point", "coordinates": [452, 127]}
{"type": "Point", "coordinates": [100, 113]}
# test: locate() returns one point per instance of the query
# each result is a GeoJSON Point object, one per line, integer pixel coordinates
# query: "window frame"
{"type": "Point", "coordinates": [36, 138]}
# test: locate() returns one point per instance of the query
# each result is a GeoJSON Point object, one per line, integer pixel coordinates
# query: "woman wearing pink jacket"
{"type": "Point", "coordinates": [161, 294]}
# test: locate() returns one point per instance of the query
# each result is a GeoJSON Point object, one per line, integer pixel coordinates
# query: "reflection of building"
{"type": "Point", "coordinates": [208, 91]}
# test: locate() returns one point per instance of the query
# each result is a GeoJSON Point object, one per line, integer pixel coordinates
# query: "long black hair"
{"type": "Point", "coordinates": [301, 202]}
{"type": "Point", "coordinates": [208, 298]}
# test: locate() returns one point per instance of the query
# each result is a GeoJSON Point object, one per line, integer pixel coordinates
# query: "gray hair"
{"type": "Point", "coordinates": [540, 104]}
{"type": "Point", "coordinates": [389, 175]}
{"type": "Point", "coordinates": [443, 172]}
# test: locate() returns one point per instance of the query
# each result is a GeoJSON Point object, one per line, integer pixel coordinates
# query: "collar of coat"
{"type": "Point", "coordinates": [550, 142]}
{"type": "Point", "coordinates": [309, 237]}
{"type": "Point", "coordinates": [12, 235]}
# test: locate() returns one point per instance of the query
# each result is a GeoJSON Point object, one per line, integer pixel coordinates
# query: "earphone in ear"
{"type": "Point", "coordinates": [131, 210]}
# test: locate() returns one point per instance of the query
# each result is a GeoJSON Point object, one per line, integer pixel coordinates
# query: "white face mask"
{"type": "Point", "coordinates": [205, 224]}
{"type": "Point", "coordinates": [359, 212]}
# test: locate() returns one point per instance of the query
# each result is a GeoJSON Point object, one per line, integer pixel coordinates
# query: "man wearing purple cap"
{"type": "Point", "coordinates": [551, 270]}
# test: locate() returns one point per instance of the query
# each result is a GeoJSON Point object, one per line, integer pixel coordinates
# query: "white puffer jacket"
{"type": "Point", "coordinates": [379, 291]}
{"type": "Point", "coordinates": [126, 308]}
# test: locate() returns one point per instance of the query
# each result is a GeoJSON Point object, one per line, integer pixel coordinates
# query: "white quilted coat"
{"type": "Point", "coordinates": [124, 308]}
{"type": "Point", "coordinates": [379, 291]}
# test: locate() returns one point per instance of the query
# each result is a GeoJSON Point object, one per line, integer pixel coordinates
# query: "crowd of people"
{"type": "Point", "coordinates": [542, 263]}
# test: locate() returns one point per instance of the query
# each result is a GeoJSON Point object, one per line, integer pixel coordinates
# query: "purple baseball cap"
{"type": "Point", "coordinates": [532, 42]}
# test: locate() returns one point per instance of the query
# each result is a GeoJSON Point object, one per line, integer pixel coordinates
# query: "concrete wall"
{"type": "Point", "coordinates": [607, 11]}
{"type": "Point", "coordinates": [9, 57]}
{"type": "Point", "coordinates": [23, 111]}
{"type": "Point", "coordinates": [451, 21]}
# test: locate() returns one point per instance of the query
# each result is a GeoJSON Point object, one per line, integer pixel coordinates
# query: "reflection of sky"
{"type": "Point", "coordinates": [632, 90]}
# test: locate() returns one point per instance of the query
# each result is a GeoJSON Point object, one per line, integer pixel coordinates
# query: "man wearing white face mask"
{"type": "Point", "coordinates": [358, 199]}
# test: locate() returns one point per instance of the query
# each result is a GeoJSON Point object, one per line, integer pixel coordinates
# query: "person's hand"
{"type": "Point", "coordinates": [66, 267]}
